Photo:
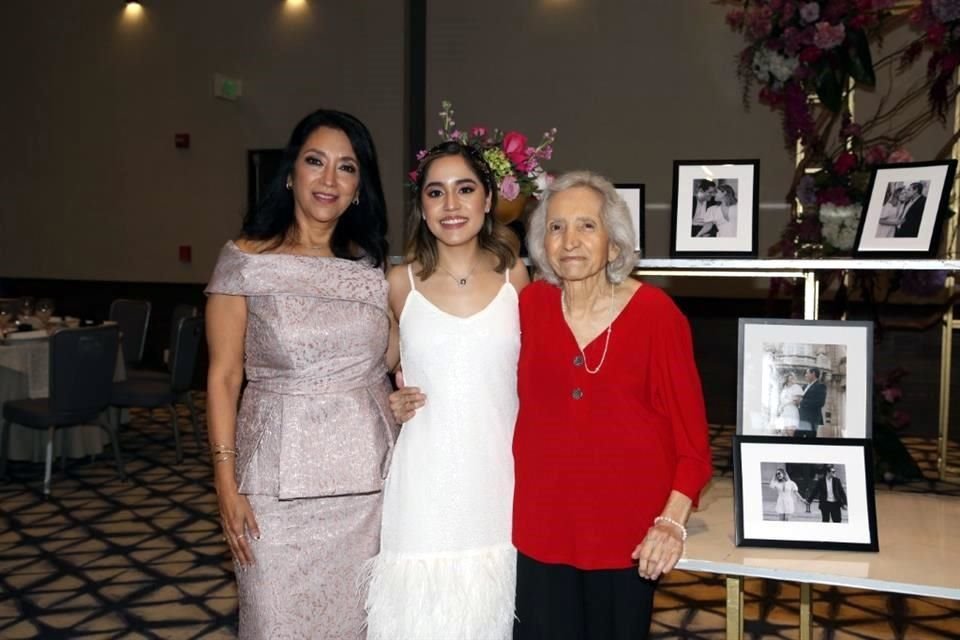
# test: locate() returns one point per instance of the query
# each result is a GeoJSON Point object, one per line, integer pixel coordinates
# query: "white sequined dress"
{"type": "Point", "coordinates": [447, 568]}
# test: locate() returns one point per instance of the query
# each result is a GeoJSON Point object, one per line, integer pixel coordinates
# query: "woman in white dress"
{"type": "Point", "coordinates": [788, 418]}
{"type": "Point", "coordinates": [890, 215]}
{"type": "Point", "coordinates": [723, 216]}
{"type": "Point", "coordinates": [447, 568]}
{"type": "Point", "coordinates": [787, 493]}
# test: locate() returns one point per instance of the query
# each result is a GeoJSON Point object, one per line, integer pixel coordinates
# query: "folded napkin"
{"type": "Point", "coordinates": [27, 335]}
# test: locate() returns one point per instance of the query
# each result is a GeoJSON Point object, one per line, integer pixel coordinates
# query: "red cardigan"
{"type": "Point", "coordinates": [597, 455]}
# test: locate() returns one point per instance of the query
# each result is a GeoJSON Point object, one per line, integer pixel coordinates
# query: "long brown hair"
{"type": "Point", "coordinates": [494, 236]}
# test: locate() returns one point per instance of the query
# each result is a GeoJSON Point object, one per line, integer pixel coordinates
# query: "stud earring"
{"type": "Point", "coordinates": [289, 183]}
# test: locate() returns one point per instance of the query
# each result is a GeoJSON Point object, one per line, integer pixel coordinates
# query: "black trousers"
{"type": "Point", "coordinates": [830, 511]}
{"type": "Point", "coordinates": [560, 602]}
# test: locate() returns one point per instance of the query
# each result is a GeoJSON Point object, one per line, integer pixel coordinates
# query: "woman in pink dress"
{"type": "Point", "coordinates": [298, 307]}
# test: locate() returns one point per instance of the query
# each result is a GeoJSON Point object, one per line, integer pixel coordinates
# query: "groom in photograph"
{"type": "Point", "coordinates": [829, 492]}
{"type": "Point", "coordinates": [705, 193]}
{"type": "Point", "coordinates": [913, 212]}
{"type": "Point", "coordinates": [811, 405]}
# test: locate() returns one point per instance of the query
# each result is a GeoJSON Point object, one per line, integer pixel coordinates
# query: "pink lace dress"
{"type": "Point", "coordinates": [313, 436]}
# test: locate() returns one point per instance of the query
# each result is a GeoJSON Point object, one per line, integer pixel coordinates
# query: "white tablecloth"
{"type": "Point", "coordinates": [25, 373]}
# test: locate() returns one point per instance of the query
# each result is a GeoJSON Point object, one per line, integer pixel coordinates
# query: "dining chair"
{"type": "Point", "coordinates": [150, 393]}
{"type": "Point", "coordinates": [133, 317]}
{"type": "Point", "coordinates": [82, 363]}
{"type": "Point", "coordinates": [180, 311]}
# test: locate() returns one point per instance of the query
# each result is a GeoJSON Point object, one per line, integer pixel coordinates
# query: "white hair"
{"type": "Point", "coordinates": [614, 215]}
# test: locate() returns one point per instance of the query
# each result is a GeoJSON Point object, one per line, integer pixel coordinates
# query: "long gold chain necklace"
{"type": "Point", "coordinates": [606, 341]}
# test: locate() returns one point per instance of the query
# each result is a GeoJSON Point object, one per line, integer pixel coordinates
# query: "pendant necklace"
{"type": "Point", "coordinates": [461, 282]}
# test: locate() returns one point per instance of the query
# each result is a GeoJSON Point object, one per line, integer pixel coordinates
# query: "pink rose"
{"type": "Point", "coordinates": [515, 148]}
{"type": "Point", "coordinates": [509, 188]}
{"type": "Point", "coordinates": [891, 394]}
{"type": "Point", "coordinates": [413, 175]}
{"type": "Point", "coordinates": [875, 154]}
{"type": "Point", "coordinates": [900, 155]}
{"type": "Point", "coordinates": [829, 36]}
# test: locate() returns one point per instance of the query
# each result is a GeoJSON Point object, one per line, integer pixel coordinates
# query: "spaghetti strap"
{"type": "Point", "coordinates": [413, 287]}
{"type": "Point", "coordinates": [506, 275]}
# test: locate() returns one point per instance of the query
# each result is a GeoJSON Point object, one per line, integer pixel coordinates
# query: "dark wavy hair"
{"type": "Point", "coordinates": [362, 229]}
{"type": "Point", "coordinates": [494, 236]}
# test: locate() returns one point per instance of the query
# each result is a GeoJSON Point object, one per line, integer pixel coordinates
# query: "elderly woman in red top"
{"type": "Point", "coordinates": [610, 445]}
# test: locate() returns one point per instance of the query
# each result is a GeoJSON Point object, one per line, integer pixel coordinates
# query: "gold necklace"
{"type": "Point", "coordinates": [461, 282]}
{"type": "Point", "coordinates": [606, 342]}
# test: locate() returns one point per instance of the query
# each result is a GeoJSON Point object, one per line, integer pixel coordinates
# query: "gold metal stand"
{"type": "Point", "coordinates": [948, 324]}
{"type": "Point", "coordinates": [735, 607]}
{"type": "Point", "coordinates": [806, 611]}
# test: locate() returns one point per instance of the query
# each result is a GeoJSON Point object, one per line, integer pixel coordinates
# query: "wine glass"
{"type": "Point", "coordinates": [7, 316]}
{"type": "Point", "coordinates": [26, 306]}
{"type": "Point", "coordinates": [44, 310]}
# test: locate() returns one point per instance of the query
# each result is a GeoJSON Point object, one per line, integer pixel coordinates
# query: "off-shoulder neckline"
{"type": "Point", "coordinates": [235, 247]}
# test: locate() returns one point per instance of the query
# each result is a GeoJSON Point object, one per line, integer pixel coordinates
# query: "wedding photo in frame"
{"type": "Point", "coordinates": [715, 208]}
{"type": "Point", "coordinates": [805, 494]}
{"type": "Point", "coordinates": [633, 195]}
{"type": "Point", "coordinates": [907, 206]}
{"type": "Point", "coordinates": [807, 379]}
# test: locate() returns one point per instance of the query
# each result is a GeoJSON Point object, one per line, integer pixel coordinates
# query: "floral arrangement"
{"type": "Point", "coordinates": [801, 48]}
{"type": "Point", "coordinates": [892, 461]}
{"type": "Point", "coordinates": [939, 22]}
{"type": "Point", "coordinates": [516, 165]}
{"type": "Point", "coordinates": [837, 190]}
{"type": "Point", "coordinates": [796, 49]}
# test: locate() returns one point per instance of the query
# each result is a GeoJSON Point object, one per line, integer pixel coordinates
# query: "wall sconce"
{"type": "Point", "coordinates": [132, 8]}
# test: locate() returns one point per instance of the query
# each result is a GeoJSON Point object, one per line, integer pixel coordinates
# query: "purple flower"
{"type": "Point", "coordinates": [946, 10]}
{"type": "Point", "coordinates": [807, 191]}
{"type": "Point", "coordinates": [829, 36]}
{"type": "Point", "coordinates": [923, 283]}
{"type": "Point", "coordinates": [421, 154]}
{"type": "Point", "coordinates": [810, 12]}
{"type": "Point", "coordinates": [509, 188]}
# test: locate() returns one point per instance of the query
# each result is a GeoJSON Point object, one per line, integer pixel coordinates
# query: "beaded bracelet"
{"type": "Point", "coordinates": [683, 529]}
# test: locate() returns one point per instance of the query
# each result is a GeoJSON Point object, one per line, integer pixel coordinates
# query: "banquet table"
{"type": "Point", "coordinates": [24, 373]}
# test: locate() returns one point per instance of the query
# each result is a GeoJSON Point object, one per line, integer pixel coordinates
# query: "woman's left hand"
{"type": "Point", "coordinates": [659, 551]}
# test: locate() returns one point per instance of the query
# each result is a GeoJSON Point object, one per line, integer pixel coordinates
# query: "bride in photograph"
{"type": "Point", "coordinates": [788, 416]}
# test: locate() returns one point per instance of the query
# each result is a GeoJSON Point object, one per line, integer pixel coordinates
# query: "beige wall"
{"type": "Point", "coordinates": [92, 186]}
{"type": "Point", "coordinates": [631, 86]}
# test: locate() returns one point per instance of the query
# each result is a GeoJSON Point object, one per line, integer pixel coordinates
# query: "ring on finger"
{"type": "Point", "coordinates": [241, 536]}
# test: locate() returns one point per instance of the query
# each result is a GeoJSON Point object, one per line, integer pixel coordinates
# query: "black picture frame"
{"type": "Point", "coordinates": [849, 523]}
{"type": "Point", "coordinates": [769, 350]}
{"type": "Point", "coordinates": [685, 241]}
{"type": "Point", "coordinates": [920, 231]}
{"type": "Point", "coordinates": [635, 194]}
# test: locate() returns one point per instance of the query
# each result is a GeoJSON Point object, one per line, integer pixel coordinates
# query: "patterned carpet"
{"type": "Point", "coordinates": [144, 559]}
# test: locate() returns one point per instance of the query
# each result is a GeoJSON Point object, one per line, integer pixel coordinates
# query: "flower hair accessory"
{"type": "Point", "coordinates": [515, 166]}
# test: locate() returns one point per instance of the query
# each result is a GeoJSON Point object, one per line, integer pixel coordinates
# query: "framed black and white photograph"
{"type": "Point", "coordinates": [715, 208]}
{"type": "Point", "coordinates": [906, 210]}
{"type": "Point", "coordinates": [804, 494]}
{"type": "Point", "coordinates": [807, 379]}
{"type": "Point", "coordinates": [633, 195]}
